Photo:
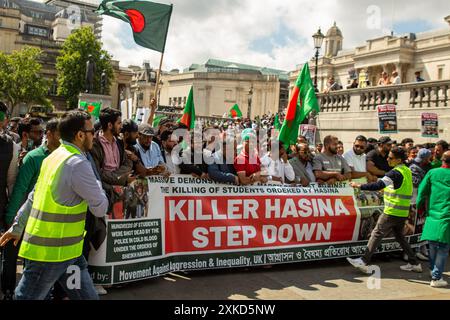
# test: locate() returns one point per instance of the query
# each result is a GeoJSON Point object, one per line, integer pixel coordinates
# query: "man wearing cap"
{"type": "Point", "coordinates": [149, 151]}
{"type": "Point", "coordinates": [377, 163]}
{"type": "Point", "coordinates": [164, 125]}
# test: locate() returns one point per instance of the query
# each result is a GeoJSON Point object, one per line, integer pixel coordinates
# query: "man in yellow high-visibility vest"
{"type": "Point", "coordinates": [54, 217]}
{"type": "Point", "coordinates": [398, 191]}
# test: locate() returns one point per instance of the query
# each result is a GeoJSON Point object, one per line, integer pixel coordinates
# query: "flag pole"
{"type": "Point", "coordinates": [158, 75]}
{"type": "Point", "coordinates": [155, 94]}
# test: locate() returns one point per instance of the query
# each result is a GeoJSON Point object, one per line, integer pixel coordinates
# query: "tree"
{"type": "Point", "coordinates": [20, 78]}
{"type": "Point", "coordinates": [71, 65]}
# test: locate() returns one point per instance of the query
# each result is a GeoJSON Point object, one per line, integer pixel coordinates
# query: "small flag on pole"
{"type": "Point", "coordinates": [235, 112]}
{"type": "Point", "coordinates": [93, 108]}
{"type": "Point", "coordinates": [188, 117]}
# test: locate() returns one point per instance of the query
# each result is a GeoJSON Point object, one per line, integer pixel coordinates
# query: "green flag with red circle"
{"type": "Point", "coordinates": [235, 112]}
{"type": "Point", "coordinates": [149, 20]}
{"type": "Point", "coordinates": [93, 108]}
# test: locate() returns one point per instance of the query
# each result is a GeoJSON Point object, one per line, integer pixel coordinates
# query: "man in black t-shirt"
{"type": "Point", "coordinates": [377, 163]}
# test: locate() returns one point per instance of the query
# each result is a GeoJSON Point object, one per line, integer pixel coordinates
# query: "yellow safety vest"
{"type": "Point", "coordinates": [397, 202]}
{"type": "Point", "coordinates": [54, 233]}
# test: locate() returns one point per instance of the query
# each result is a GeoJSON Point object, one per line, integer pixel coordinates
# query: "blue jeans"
{"type": "Point", "coordinates": [39, 277]}
{"type": "Point", "coordinates": [438, 258]}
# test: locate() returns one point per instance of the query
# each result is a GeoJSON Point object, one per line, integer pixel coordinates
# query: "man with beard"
{"type": "Point", "coordinates": [148, 150]}
{"type": "Point", "coordinates": [170, 154]}
{"type": "Point", "coordinates": [129, 137]}
{"type": "Point", "coordinates": [439, 150]}
{"type": "Point", "coordinates": [357, 160]}
{"type": "Point", "coordinates": [377, 163]}
{"type": "Point", "coordinates": [31, 134]}
{"type": "Point", "coordinates": [328, 166]}
{"type": "Point", "coordinates": [53, 238]}
{"type": "Point", "coordinates": [109, 154]}
{"type": "Point", "coordinates": [302, 164]}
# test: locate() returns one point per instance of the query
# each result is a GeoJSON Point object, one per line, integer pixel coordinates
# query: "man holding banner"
{"type": "Point", "coordinates": [398, 191]}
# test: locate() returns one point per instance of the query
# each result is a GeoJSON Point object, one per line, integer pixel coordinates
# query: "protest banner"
{"type": "Point", "coordinates": [387, 118]}
{"type": "Point", "coordinates": [430, 125]}
{"type": "Point", "coordinates": [181, 223]}
{"type": "Point", "coordinates": [309, 132]}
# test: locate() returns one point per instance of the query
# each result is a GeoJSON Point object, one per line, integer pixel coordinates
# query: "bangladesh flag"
{"type": "Point", "coordinates": [235, 112]}
{"type": "Point", "coordinates": [149, 20]}
{"type": "Point", "coordinates": [276, 122]}
{"type": "Point", "coordinates": [188, 117]}
{"type": "Point", "coordinates": [302, 103]}
{"type": "Point", "coordinates": [93, 108]}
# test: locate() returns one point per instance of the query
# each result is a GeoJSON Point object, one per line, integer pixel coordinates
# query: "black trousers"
{"type": "Point", "coordinates": [9, 268]}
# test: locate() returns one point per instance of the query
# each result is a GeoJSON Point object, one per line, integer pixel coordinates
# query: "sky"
{"type": "Point", "coordinates": [269, 33]}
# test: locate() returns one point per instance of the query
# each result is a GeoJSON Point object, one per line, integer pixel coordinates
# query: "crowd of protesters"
{"type": "Point", "coordinates": [117, 151]}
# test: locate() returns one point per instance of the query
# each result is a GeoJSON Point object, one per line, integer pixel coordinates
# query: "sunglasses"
{"type": "Point", "coordinates": [360, 147]}
{"type": "Point", "coordinates": [92, 131]}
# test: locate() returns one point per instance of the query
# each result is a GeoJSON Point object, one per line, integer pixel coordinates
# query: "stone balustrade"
{"type": "Point", "coordinates": [409, 95]}
{"type": "Point", "coordinates": [347, 113]}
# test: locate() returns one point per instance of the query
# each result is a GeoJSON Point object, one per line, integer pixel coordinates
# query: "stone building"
{"type": "Point", "coordinates": [218, 85]}
{"type": "Point", "coordinates": [349, 112]}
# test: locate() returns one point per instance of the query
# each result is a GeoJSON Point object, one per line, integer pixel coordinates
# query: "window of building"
{"type": "Point", "coordinates": [170, 101]}
{"type": "Point", "coordinates": [1, 22]}
{"type": "Point", "coordinates": [228, 95]}
{"type": "Point", "coordinates": [42, 32]}
{"type": "Point", "coordinates": [179, 101]}
{"type": "Point", "coordinates": [184, 101]}
{"type": "Point", "coordinates": [440, 72]}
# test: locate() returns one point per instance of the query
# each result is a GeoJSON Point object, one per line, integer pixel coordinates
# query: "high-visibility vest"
{"type": "Point", "coordinates": [397, 202]}
{"type": "Point", "coordinates": [54, 233]}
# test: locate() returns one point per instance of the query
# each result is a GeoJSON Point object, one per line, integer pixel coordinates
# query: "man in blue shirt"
{"type": "Point", "coordinates": [148, 150]}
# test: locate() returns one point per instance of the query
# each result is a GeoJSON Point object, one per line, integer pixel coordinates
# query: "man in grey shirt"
{"type": "Point", "coordinates": [328, 166]}
{"type": "Point", "coordinates": [76, 183]}
{"type": "Point", "coordinates": [302, 164]}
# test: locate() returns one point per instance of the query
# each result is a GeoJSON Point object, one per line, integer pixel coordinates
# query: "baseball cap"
{"type": "Point", "coordinates": [129, 126]}
{"type": "Point", "coordinates": [385, 140]}
{"type": "Point", "coordinates": [146, 130]}
{"type": "Point", "coordinates": [422, 155]}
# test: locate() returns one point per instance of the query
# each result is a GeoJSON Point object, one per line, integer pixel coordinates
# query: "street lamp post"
{"type": "Point", "coordinates": [318, 41]}
{"type": "Point", "coordinates": [250, 98]}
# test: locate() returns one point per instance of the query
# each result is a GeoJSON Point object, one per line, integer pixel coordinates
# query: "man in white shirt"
{"type": "Point", "coordinates": [277, 165]}
{"type": "Point", "coordinates": [357, 160]}
{"type": "Point", "coordinates": [395, 78]}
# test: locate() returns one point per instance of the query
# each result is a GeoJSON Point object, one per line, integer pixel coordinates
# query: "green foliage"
{"type": "Point", "coordinates": [71, 65]}
{"type": "Point", "coordinates": [20, 78]}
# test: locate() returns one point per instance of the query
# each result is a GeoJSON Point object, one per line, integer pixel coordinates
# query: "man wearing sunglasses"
{"type": "Point", "coordinates": [398, 192]}
{"type": "Point", "coordinates": [357, 160]}
{"type": "Point", "coordinates": [52, 220]}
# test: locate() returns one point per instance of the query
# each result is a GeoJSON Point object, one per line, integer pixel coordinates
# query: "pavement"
{"type": "Point", "coordinates": [318, 280]}
{"type": "Point", "coordinates": [322, 280]}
